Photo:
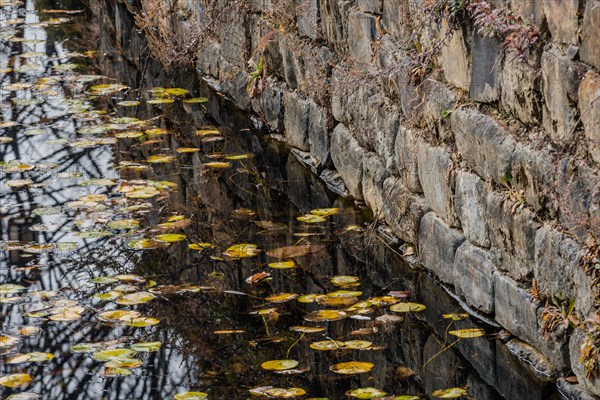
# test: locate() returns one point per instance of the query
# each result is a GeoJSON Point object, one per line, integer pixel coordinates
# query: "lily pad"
{"type": "Point", "coordinates": [15, 380]}
{"type": "Point", "coordinates": [468, 333]}
{"type": "Point", "coordinates": [451, 393]}
{"type": "Point", "coordinates": [190, 396]}
{"type": "Point", "coordinates": [366, 393]}
{"type": "Point", "coordinates": [146, 347]}
{"type": "Point", "coordinates": [279, 365]}
{"type": "Point", "coordinates": [282, 264]}
{"type": "Point", "coordinates": [325, 315]}
{"type": "Point", "coordinates": [351, 367]}
{"type": "Point", "coordinates": [406, 307]}
{"type": "Point", "coordinates": [170, 237]}
{"type": "Point", "coordinates": [281, 393]}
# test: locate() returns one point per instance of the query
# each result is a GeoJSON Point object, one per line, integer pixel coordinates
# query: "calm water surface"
{"type": "Point", "coordinates": [169, 212]}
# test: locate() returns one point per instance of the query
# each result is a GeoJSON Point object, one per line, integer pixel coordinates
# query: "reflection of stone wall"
{"type": "Point", "coordinates": [489, 164]}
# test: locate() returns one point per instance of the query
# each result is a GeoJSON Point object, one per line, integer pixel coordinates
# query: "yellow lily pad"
{"type": "Point", "coordinates": [190, 396]}
{"type": "Point", "coordinates": [343, 280]}
{"type": "Point", "coordinates": [118, 315]}
{"type": "Point", "coordinates": [325, 315]}
{"type": "Point", "coordinates": [123, 362]}
{"type": "Point", "coordinates": [406, 307]}
{"type": "Point", "coordinates": [279, 365]}
{"type": "Point", "coordinates": [217, 164]}
{"type": "Point", "coordinates": [15, 380]}
{"type": "Point", "coordinates": [324, 212]}
{"type": "Point", "coordinates": [160, 159]}
{"type": "Point", "coordinates": [187, 150]}
{"type": "Point", "coordinates": [281, 393]}
{"type": "Point", "coordinates": [358, 344]}
{"type": "Point", "coordinates": [468, 333]}
{"type": "Point", "coordinates": [170, 237]}
{"type": "Point", "coordinates": [111, 354]}
{"type": "Point", "coordinates": [144, 244]}
{"type": "Point", "coordinates": [242, 250]}
{"type": "Point", "coordinates": [281, 297]}
{"type": "Point", "coordinates": [8, 341]}
{"type": "Point", "coordinates": [135, 298]}
{"type": "Point", "coordinates": [146, 347]}
{"type": "Point", "coordinates": [128, 103]}
{"type": "Point", "coordinates": [351, 367]}
{"type": "Point", "coordinates": [455, 317]}
{"type": "Point", "coordinates": [30, 357]}
{"type": "Point", "coordinates": [324, 345]}
{"type": "Point", "coordinates": [196, 100]}
{"type": "Point", "coordinates": [366, 393]}
{"type": "Point", "coordinates": [122, 224]}
{"type": "Point", "coordinates": [307, 329]}
{"type": "Point", "coordinates": [451, 393]}
{"type": "Point", "coordinates": [282, 264]}
{"type": "Point", "coordinates": [142, 322]}
{"type": "Point", "coordinates": [311, 218]}
{"type": "Point", "coordinates": [201, 246]}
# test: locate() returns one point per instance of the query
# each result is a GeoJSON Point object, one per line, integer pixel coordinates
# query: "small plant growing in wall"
{"type": "Point", "coordinates": [256, 80]}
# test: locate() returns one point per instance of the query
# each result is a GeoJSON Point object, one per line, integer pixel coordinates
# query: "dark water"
{"type": "Point", "coordinates": [64, 135]}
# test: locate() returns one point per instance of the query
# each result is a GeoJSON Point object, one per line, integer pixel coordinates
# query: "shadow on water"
{"type": "Point", "coordinates": [72, 263]}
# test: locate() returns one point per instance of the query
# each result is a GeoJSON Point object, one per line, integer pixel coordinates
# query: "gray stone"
{"type": "Point", "coordinates": [269, 105]}
{"type": "Point", "coordinates": [334, 19]}
{"type": "Point", "coordinates": [532, 359]}
{"type": "Point", "coordinates": [514, 380]}
{"type": "Point", "coordinates": [361, 35]}
{"type": "Point", "coordinates": [562, 20]}
{"type": "Point", "coordinates": [480, 390]}
{"type": "Point", "coordinates": [318, 133]}
{"type": "Point", "coordinates": [519, 87]}
{"type": "Point", "coordinates": [454, 58]}
{"type": "Point", "coordinates": [590, 52]}
{"type": "Point", "coordinates": [480, 352]}
{"type": "Point", "coordinates": [382, 125]}
{"type": "Point", "coordinates": [560, 81]}
{"type": "Point", "coordinates": [530, 11]}
{"type": "Point", "coordinates": [406, 159]}
{"type": "Point", "coordinates": [296, 120]}
{"type": "Point", "coordinates": [438, 101]}
{"type": "Point", "coordinates": [394, 15]}
{"type": "Point", "coordinates": [347, 156]}
{"type": "Point", "coordinates": [402, 209]}
{"type": "Point", "coordinates": [370, 6]}
{"type": "Point", "coordinates": [573, 391]}
{"type": "Point", "coordinates": [437, 179]}
{"type": "Point", "coordinates": [486, 56]}
{"type": "Point", "coordinates": [374, 174]}
{"type": "Point", "coordinates": [437, 246]}
{"type": "Point", "coordinates": [512, 236]}
{"type": "Point", "coordinates": [470, 203]}
{"type": "Point", "coordinates": [486, 147]}
{"type": "Point", "coordinates": [291, 60]}
{"type": "Point", "coordinates": [576, 343]}
{"type": "Point", "coordinates": [515, 308]}
{"type": "Point", "coordinates": [553, 344]}
{"type": "Point", "coordinates": [308, 18]}
{"type": "Point", "coordinates": [558, 270]}
{"type": "Point", "coordinates": [473, 277]}
{"type": "Point", "coordinates": [589, 107]}
{"type": "Point", "coordinates": [532, 175]}
{"type": "Point", "coordinates": [444, 370]}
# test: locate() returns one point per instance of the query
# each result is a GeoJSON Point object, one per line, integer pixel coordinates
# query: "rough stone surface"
{"type": "Point", "coordinates": [485, 69]}
{"type": "Point", "coordinates": [393, 16]}
{"type": "Point", "coordinates": [590, 52]}
{"type": "Point", "coordinates": [514, 380]}
{"type": "Point", "coordinates": [557, 269]}
{"type": "Point", "coordinates": [454, 58]}
{"type": "Point", "coordinates": [519, 83]}
{"type": "Point", "coordinates": [562, 20]}
{"type": "Point", "coordinates": [470, 204]}
{"type": "Point", "coordinates": [318, 133]}
{"type": "Point", "coordinates": [370, 6]}
{"type": "Point", "coordinates": [532, 174]}
{"type": "Point", "coordinates": [308, 19]}
{"type": "Point", "coordinates": [532, 359]}
{"type": "Point", "coordinates": [403, 210]}
{"type": "Point", "coordinates": [573, 391]}
{"type": "Point", "coordinates": [361, 35]}
{"type": "Point", "coordinates": [560, 81]}
{"type": "Point", "coordinates": [406, 159]}
{"type": "Point", "coordinates": [515, 308]}
{"type": "Point", "coordinates": [445, 370]}
{"type": "Point", "coordinates": [374, 174]}
{"type": "Point", "coordinates": [438, 100]}
{"type": "Point", "coordinates": [270, 106]}
{"type": "Point", "coordinates": [512, 236]}
{"type": "Point", "coordinates": [577, 341]}
{"type": "Point", "coordinates": [589, 104]}
{"type": "Point", "coordinates": [347, 158]}
{"type": "Point", "coordinates": [437, 179]}
{"type": "Point", "coordinates": [473, 277]}
{"type": "Point", "coordinates": [296, 120]}
{"type": "Point", "coordinates": [486, 147]}
{"type": "Point", "coordinates": [437, 246]}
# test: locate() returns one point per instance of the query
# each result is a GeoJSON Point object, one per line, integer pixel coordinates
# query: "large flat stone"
{"type": "Point", "coordinates": [308, 19]}
{"type": "Point", "coordinates": [560, 82]}
{"type": "Point", "coordinates": [438, 99]}
{"type": "Point", "coordinates": [486, 147]}
{"type": "Point", "coordinates": [558, 269]}
{"type": "Point", "coordinates": [437, 180]}
{"type": "Point", "coordinates": [402, 209]}
{"type": "Point", "coordinates": [406, 147]}
{"type": "Point", "coordinates": [362, 33]}
{"type": "Point", "coordinates": [370, 6]}
{"type": "Point", "coordinates": [473, 277]}
{"type": "Point", "coordinates": [374, 174]}
{"type": "Point", "coordinates": [562, 20]}
{"type": "Point", "coordinates": [532, 174]}
{"type": "Point", "coordinates": [591, 383]}
{"type": "Point", "coordinates": [470, 204]}
{"type": "Point", "coordinates": [512, 236]}
{"type": "Point", "coordinates": [515, 308]}
{"type": "Point", "coordinates": [486, 56]}
{"type": "Point", "coordinates": [590, 52]}
{"type": "Point", "coordinates": [454, 58]}
{"type": "Point", "coordinates": [514, 380]}
{"type": "Point", "coordinates": [296, 120]}
{"type": "Point", "coordinates": [319, 123]}
{"type": "Point", "coordinates": [519, 86]}
{"type": "Point", "coordinates": [437, 246]}
{"type": "Point", "coordinates": [347, 156]}
{"type": "Point", "coordinates": [589, 106]}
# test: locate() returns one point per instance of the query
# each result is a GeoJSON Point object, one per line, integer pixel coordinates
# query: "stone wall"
{"type": "Point", "coordinates": [485, 157]}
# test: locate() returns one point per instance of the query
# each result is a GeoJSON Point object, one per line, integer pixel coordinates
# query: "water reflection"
{"type": "Point", "coordinates": [53, 239]}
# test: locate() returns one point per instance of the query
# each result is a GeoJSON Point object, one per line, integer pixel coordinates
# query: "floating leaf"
{"type": "Point", "coordinates": [281, 297]}
{"type": "Point", "coordinates": [327, 345]}
{"type": "Point", "coordinates": [201, 246]}
{"type": "Point", "coordinates": [343, 280]}
{"type": "Point", "coordinates": [30, 357]}
{"type": "Point", "coordinates": [160, 159]}
{"type": "Point", "coordinates": [309, 298]}
{"type": "Point", "coordinates": [135, 298]}
{"type": "Point", "coordinates": [407, 307]}
{"type": "Point", "coordinates": [307, 329]}
{"type": "Point", "coordinates": [468, 333]}
{"type": "Point", "coordinates": [325, 315]}
{"type": "Point", "coordinates": [118, 315]}
{"type": "Point", "coordinates": [8, 341]}
{"type": "Point", "coordinates": [455, 317]}
{"type": "Point", "coordinates": [11, 288]}
{"type": "Point", "coordinates": [358, 344]}
{"type": "Point", "coordinates": [142, 322]}
{"type": "Point", "coordinates": [114, 372]}
{"type": "Point", "coordinates": [311, 218]}
{"type": "Point", "coordinates": [366, 393]}
{"type": "Point", "coordinates": [143, 193]}
{"type": "Point", "coordinates": [190, 396]}
{"type": "Point", "coordinates": [242, 250]}
{"type": "Point", "coordinates": [283, 264]}
{"type": "Point", "coordinates": [196, 100]}
{"type": "Point", "coordinates": [123, 362]}
{"type": "Point", "coordinates": [15, 380]}
{"type": "Point", "coordinates": [128, 103]}
{"type": "Point", "coordinates": [217, 164]}
{"type": "Point", "coordinates": [24, 396]}
{"type": "Point", "coordinates": [325, 212]}
{"type": "Point", "coordinates": [111, 354]}
{"type": "Point", "coordinates": [451, 393]}
{"type": "Point", "coordinates": [351, 367]}
{"type": "Point", "coordinates": [123, 224]}
{"type": "Point", "coordinates": [108, 296]}
{"type": "Point", "coordinates": [281, 393]}
{"type": "Point", "coordinates": [187, 150]}
{"type": "Point", "coordinates": [340, 301]}
{"type": "Point", "coordinates": [170, 237]}
{"type": "Point", "coordinates": [161, 101]}
{"type": "Point", "coordinates": [207, 132]}
{"type": "Point", "coordinates": [279, 365]}
{"type": "Point", "coordinates": [228, 331]}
